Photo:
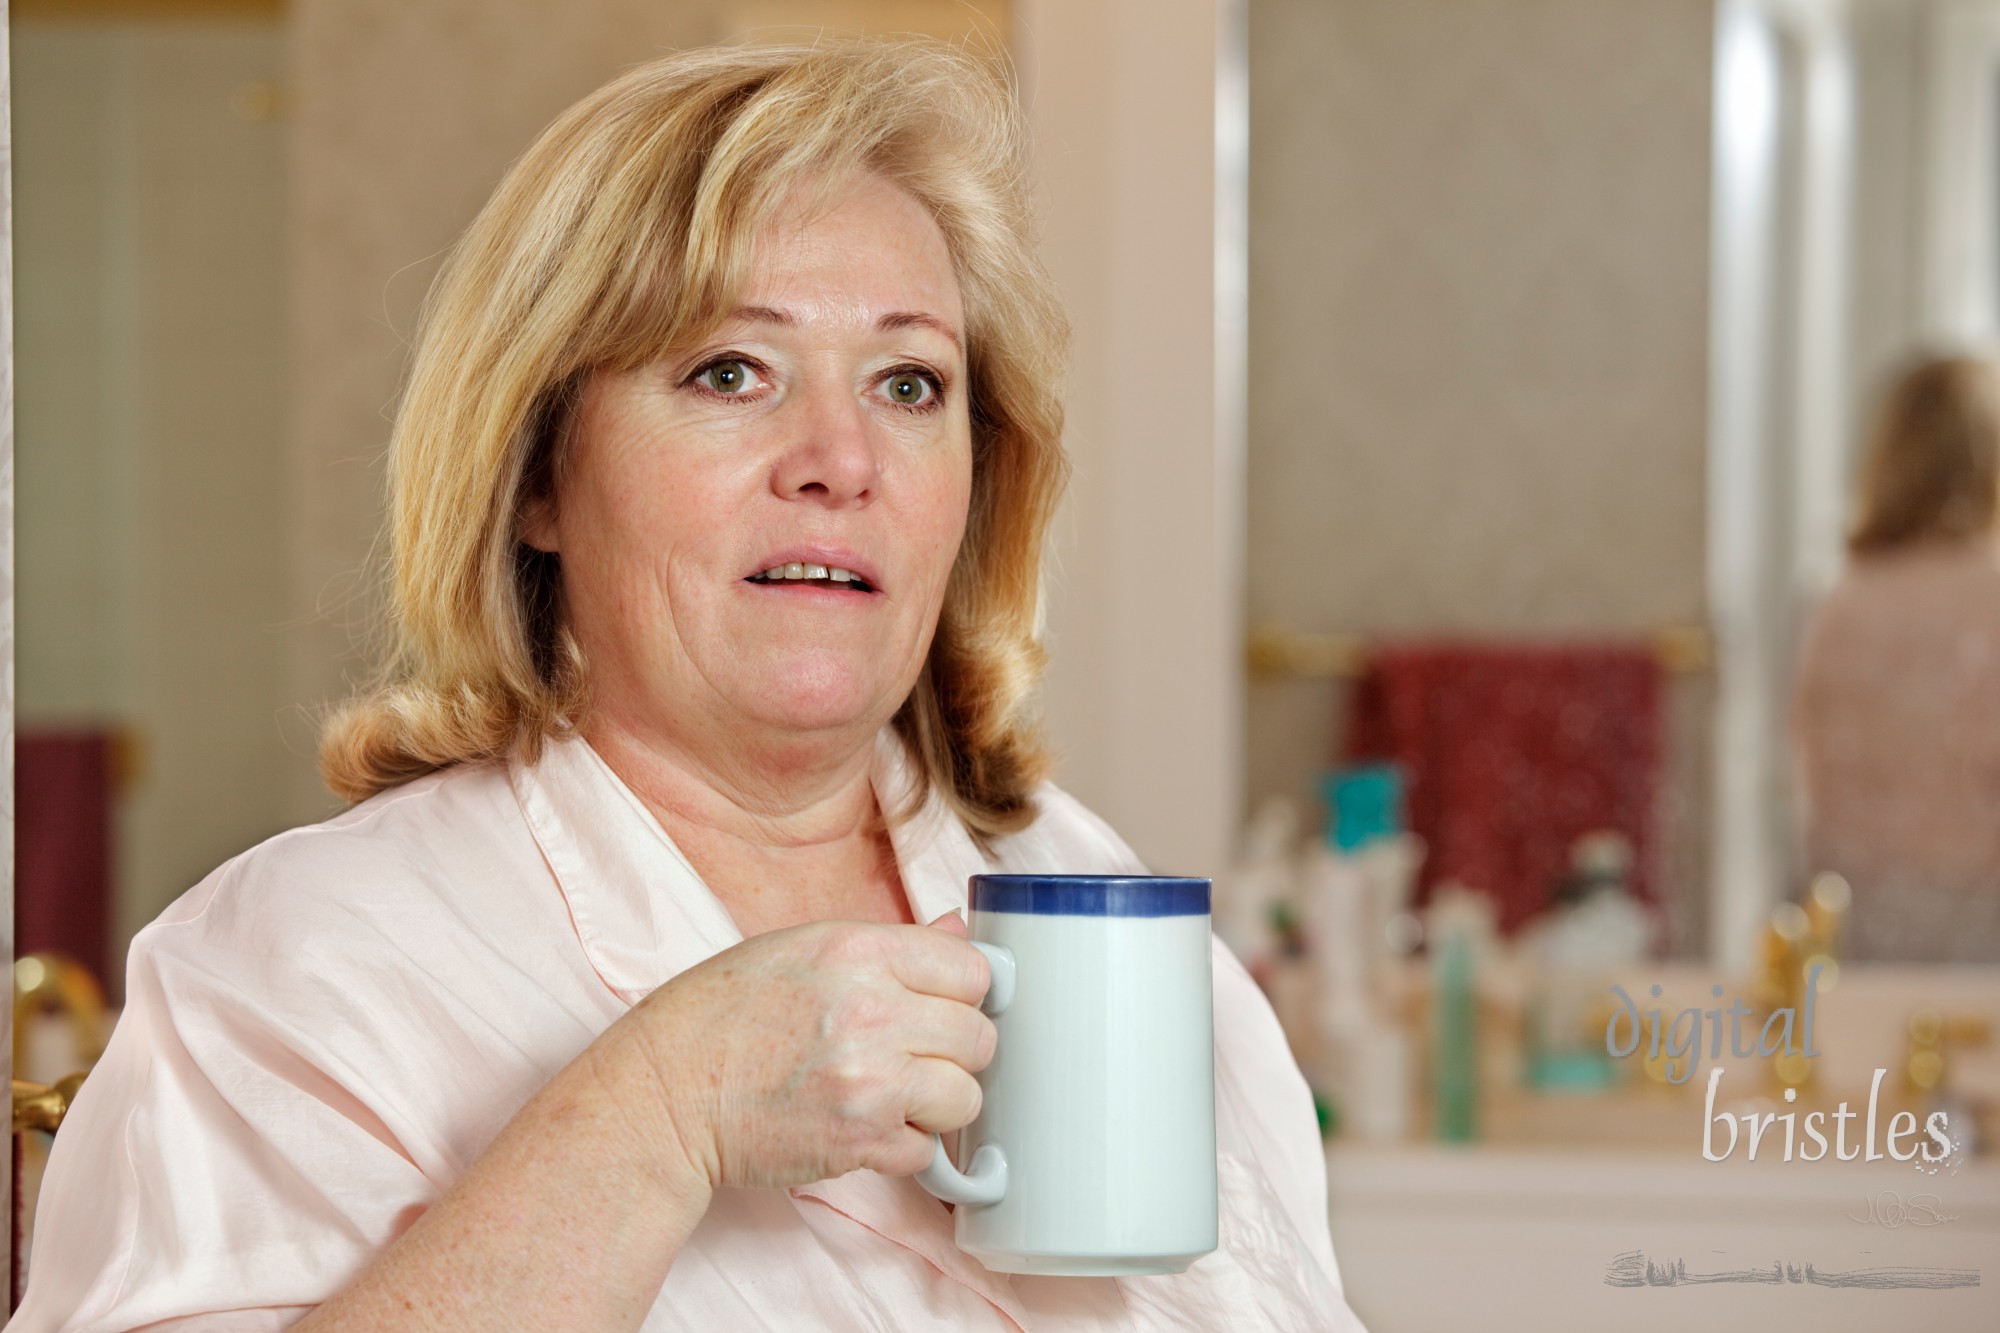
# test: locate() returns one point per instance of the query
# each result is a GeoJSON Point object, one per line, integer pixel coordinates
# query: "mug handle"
{"type": "Point", "coordinates": [987, 1181]}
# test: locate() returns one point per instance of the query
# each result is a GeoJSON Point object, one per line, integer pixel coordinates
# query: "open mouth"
{"type": "Point", "coordinates": [822, 576]}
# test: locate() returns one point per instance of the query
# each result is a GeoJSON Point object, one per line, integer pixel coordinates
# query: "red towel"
{"type": "Point", "coordinates": [1511, 753]}
{"type": "Point", "coordinates": [62, 846]}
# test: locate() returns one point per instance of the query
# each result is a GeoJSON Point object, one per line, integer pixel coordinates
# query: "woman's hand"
{"type": "Point", "coordinates": [806, 1053]}
{"type": "Point", "coordinates": [798, 1055]}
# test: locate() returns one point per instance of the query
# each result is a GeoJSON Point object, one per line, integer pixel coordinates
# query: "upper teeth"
{"type": "Point", "coordinates": [797, 570]}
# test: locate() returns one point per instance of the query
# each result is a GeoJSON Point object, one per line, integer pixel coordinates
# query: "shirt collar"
{"type": "Point", "coordinates": [642, 913]}
{"type": "Point", "coordinates": [934, 853]}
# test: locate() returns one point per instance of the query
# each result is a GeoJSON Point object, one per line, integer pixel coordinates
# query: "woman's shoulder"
{"type": "Point", "coordinates": [1888, 606]}
{"type": "Point", "coordinates": [382, 855]}
{"type": "Point", "coordinates": [351, 941]}
{"type": "Point", "coordinates": [1939, 569]}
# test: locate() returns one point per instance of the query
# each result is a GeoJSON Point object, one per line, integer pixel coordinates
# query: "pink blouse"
{"type": "Point", "coordinates": [1897, 716]}
{"type": "Point", "coordinates": [324, 1033]}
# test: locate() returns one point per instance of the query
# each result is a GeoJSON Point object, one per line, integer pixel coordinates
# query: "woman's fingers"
{"type": "Point", "coordinates": [904, 1153]}
{"type": "Point", "coordinates": [868, 1038]}
{"type": "Point", "coordinates": [931, 961]}
{"type": "Point", "coordinates": [949, 1030]}
{"type": "Point", "coordinates": [941, 1096]}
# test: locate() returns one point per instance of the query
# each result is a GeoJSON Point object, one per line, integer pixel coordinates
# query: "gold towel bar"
{"type": "Point", "coordinates": [38, 1107]}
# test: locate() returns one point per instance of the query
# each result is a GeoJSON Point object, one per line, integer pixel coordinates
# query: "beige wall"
{"type": "Point", "coordinates": [151, 424]}
{"type": "Point", "coordinates": [1478, 312]}
{"type": "Point", "coordinates": [1891, 101]}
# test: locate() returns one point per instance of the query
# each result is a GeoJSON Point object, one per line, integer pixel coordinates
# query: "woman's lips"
{"type": "Point", "coordinates": [817, 566]}
{"type": "Point", "coordinates": [807, 573]}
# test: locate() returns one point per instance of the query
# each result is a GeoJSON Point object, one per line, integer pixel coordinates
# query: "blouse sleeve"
{"type": "Point", "coordinates": [1272, 1103]}
{"type": "Point", "coordinates": [216, 1168]}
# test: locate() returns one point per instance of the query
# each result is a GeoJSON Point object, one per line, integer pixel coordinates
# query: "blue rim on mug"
{"type": "Point", "coordinates": [1090, 895]}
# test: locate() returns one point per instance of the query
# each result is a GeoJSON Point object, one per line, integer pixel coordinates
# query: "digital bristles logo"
{"type": "Point", "coordinates": [1786, 1034]}
{"type": "Point", "coordinates": [1675, 1047]}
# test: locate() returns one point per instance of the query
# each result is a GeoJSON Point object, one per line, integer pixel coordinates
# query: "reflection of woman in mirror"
{"type": "Point", "coordinates": [1897, 709]}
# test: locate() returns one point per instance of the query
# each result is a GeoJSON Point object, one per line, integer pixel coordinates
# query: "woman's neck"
{"type": "Point", "coordinates": [776, 850]}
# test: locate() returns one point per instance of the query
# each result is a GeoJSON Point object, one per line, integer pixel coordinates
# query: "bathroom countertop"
{"type": "Point", "coordinates": [1527, 1237]}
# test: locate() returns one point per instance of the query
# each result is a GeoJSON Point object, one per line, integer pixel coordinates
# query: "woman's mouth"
{"type": "Point", "coordinates": [823, 576]}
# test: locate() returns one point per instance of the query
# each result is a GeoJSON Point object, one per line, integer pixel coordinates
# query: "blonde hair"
{"type": "Point", "coordinates": [624, 232]}
{"type": "Point", "coordinates": [1933, 469]}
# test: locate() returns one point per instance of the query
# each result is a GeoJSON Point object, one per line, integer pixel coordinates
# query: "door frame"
{"type": "Point", "coordinates": [7, 593]}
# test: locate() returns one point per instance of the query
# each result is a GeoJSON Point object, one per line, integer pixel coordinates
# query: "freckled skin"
{"type": "Point", "coordinates": [675, 489]}
{"type": "Point", "coordinates": [824, 1045]}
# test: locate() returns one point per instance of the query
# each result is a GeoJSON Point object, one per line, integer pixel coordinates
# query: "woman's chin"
{"type": "Point", "coordinates": [812, 721]}
{"type": "Point", "coordinates": [816, 703]}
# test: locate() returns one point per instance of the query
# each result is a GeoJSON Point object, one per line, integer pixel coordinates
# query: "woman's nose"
{"type": "Point", "coordinates": [829, 450]}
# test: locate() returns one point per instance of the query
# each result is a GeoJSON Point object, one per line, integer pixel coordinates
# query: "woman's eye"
{"type": "Point", "coordinates": [908, 389]}
{"type": "Point", "coordinates": [727, 377]}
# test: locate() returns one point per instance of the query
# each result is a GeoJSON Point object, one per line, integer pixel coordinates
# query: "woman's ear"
{"type": "Point", "coordinates": [536, 524]}
{"type": "Point", "coordinates": [537, 514]}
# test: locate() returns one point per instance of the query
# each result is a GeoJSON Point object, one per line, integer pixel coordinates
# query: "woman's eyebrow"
{"type": "Point", "coordinates": [762, 314]}
{"type": "Point", "coordinates": [889, 323]}
{"type": "Point", "coordinates": [916, 319]}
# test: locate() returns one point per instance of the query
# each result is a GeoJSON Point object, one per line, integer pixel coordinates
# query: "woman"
{"type": "Point", "coordinates": [718, 495]}
{"type": "Point", "coordinates": [1898, 698]}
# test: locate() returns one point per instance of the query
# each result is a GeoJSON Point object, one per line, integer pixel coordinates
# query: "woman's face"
{"type": "Point", "coordinates": [756, 533]}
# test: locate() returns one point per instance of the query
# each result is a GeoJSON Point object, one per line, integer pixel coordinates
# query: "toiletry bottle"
{"type": "Point", "coordinates": [1461, 924]}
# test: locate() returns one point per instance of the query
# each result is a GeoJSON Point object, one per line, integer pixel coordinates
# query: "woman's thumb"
{"type": "Point", "coordinates": [952, 924]}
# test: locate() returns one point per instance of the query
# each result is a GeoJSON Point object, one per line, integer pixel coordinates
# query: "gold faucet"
{"type": "Point", "coordinates": [1801, 936]}
{"type": "Point", "coordinates": [48, 983]}
{"type": "Point", "coordinates": [43, 1107]}
{"type": "Point", "coordinates": [1931, 1034]}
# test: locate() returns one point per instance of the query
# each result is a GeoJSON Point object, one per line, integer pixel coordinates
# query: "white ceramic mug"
{"type": "Point", "coordinates": [1094, 1150]}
